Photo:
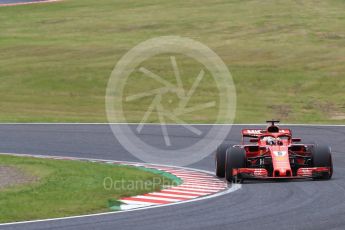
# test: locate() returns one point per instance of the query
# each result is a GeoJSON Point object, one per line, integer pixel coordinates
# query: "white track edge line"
{"type": "Point", "coordinates": [27, 3]}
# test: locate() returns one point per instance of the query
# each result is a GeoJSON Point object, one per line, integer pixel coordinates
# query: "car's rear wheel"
{"type": "Point", "coordinates": [235, 158]}
{"type": "Point", "coordinates": [322, 157]}
{"type": "Point", "coordinates": [220, 159]}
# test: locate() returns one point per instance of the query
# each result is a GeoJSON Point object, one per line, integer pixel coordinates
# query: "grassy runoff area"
{"type": "Point", "coordinates": [286, 57]}
{"type": "Point", "coordinates": [65, 188]}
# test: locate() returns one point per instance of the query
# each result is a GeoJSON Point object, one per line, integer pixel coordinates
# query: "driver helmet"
{"type": "Point", "coordinates": [270, 140]}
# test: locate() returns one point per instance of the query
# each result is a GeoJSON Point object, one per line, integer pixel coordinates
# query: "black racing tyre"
{"type": "Point", "coordinates": [235, 158]}
{"type": "Point", "coordinates": [220, 159]}
{"type": "Point", "coordinates": [322, 157]}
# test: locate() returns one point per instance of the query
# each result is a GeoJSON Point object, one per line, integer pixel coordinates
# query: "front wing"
{"type": "Point", "coordinates": [261, 173]}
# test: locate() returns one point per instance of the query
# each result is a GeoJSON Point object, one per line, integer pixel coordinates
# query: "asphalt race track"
{"type": "Point", "coordinates": [257, 205]}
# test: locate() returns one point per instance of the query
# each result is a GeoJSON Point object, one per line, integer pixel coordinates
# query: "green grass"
{"type": "Point", "coordinates": [68, 188]}
{"type": "Point", "coordinates": [286, 57]}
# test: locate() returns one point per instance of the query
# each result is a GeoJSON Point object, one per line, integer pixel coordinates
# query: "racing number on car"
{"type": "Point", "coordinates": [280, 155]}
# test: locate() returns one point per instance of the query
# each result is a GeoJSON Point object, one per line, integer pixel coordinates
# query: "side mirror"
{"type": "Point", "coordinates": [296, 139]}
{"type": "Point", "coordinates": [254, 140]}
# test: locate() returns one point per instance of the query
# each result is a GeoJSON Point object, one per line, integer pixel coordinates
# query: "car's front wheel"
{"type": "Point", "coordinates": [235, 158]}
{"type": "Point", "coordinates": [220, 159]}
{"type": "Point", "coordinates": [322, 157]}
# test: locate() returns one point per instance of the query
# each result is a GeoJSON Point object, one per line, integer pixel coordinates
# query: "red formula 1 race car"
{"type": "Point", "coordinates": [272, 153]}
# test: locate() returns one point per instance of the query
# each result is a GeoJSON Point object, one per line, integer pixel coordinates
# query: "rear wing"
{"type": "Point", "coordinates": [254, 133]}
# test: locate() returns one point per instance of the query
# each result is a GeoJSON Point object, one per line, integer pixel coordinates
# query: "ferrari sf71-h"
{"type": "Point", "coordinates": [272, 153]}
